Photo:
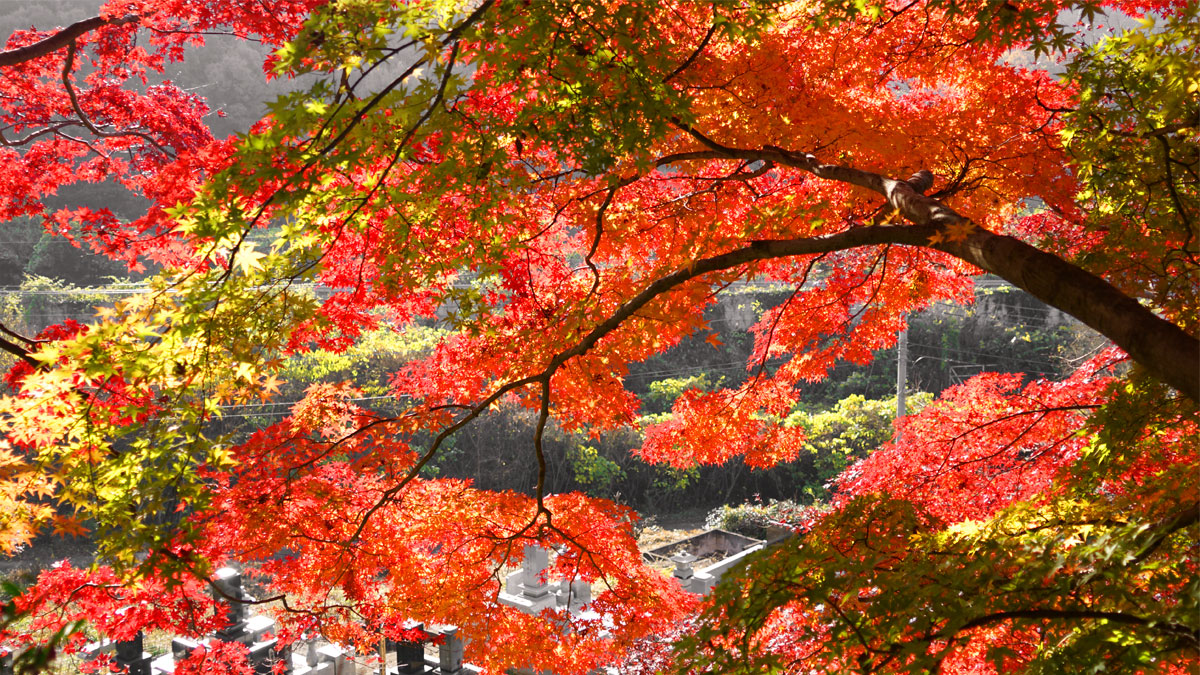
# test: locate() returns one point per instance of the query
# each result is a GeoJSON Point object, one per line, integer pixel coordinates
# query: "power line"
{"type": "Point", "coordinates": [130, 290]}
{"type": "Point", "coordinates": [972, 352]}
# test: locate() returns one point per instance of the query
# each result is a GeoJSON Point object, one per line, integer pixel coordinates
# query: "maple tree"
{"type": "Point", "coordinates": [575, 182]}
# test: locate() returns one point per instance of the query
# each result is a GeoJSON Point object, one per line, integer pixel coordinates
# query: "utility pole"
{"type": "Point", "coordinates": [901, 376]}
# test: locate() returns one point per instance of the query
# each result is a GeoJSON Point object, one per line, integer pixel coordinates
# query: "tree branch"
{"type": "Point", "coordinates": [1082, 614]}
{"type": "Point", "coordinates": [1166, 350]}
{"type": "Point", "coordinates": [62, 38]}
{"type": "Point", "coordinates": [712, 30]}
{"type": "Point", "coordinates": [68, 65]}
{"type": "Point", "coordinates": [19, 352]}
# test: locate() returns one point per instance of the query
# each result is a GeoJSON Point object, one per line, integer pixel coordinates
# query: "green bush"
{"type": "Point", "coordinates": [753, 519]}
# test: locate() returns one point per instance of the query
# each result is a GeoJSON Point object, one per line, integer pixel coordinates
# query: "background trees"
{"type": "Point", "coordinates": [566, 187]}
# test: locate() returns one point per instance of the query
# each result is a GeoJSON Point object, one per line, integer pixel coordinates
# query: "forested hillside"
{"type": "Point", "coordinates": [846, 416]}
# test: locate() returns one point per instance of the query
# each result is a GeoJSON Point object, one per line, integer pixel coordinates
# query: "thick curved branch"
{"type": "Point", "coordinates": [19, 352]}
{"type": "Point", "coordinates": [762, 250]}
{"type": "Point", "coordinates": [1185, 517]}
{"type": "Point", "coordinates": [757, 250]}
{"type": "Point", "coordinates": [62, 38]}
{"type": "Point", "coordinates": [1164, 349]}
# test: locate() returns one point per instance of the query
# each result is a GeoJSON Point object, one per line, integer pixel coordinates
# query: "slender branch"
{"type": "Point", "coordinates": [1179, 207]}
{"type": "Point", "coordinates": [1187, 516]}
{"type": "Point", "coordinates": [977, 427]}
{"type": "Point", "coordinates": [1082, 614]}
{"type": "Point", "coordinates": [51, 129]}
{"type": "Point", "coordinates": [436, 445]}
{"type": "Point", "coordinates": [543, 418]}
{"type": "Point", "coordinates": [451, 38]}
{"type": "Point", "coordinates": [712, 30]}
{"type": "Point", "coordinates": [608, 197]}
{"type": "Point", "coordinates": [68, 66]}
{"type": "Point", "coordinates": [1158, 132]}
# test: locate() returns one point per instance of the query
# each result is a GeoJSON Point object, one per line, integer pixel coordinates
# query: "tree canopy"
{"type": "Point", "coordinates": [565, 186]}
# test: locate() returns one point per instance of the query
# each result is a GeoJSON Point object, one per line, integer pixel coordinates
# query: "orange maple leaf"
{"type": "Point", "coordinates": [269, 387]}
{"type": "Point", "coordinates": [67, 525]}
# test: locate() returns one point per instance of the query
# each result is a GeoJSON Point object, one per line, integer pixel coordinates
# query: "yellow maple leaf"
{"type": "Point", "coordinates": [244, 371]}
{"type": "Point", "coordinates": [959, 231]}
{"type": "Point", "coordinates": [248, 259]}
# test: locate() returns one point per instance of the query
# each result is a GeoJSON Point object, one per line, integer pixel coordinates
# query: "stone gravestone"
{"type": "Point", "coordinates": [318, 662]}
{"type": "Point", "coordinates": [96, 649]}
{"type": "Point", "coordinates": [130, 656]}
{"type": "Point", "coordinates": [181, 647]}
{"type": "Point", "coordinates": [410, 655]}
{"type": "Point", "coordinates": [336, 659]}
{"type": "Point", "coordinates": [227, 590]}
{"type": "Point", "coordinates": [264, 655]}
{"type": "Point", "coordinates": [450, 652]}
{"type": "Point", "coordinates": [533, 583]}
{"type": "Point", "coordinates": [245, 629]}
{"type": "Point", "coordinates": [127, 655]}
{"type": "Point", "coordinates": [579, 593]}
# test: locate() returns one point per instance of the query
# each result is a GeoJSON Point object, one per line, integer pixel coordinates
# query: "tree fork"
{"type": "Point", "coordinates": [1160, 346]}
{"type": "Point", "coordinates": [1163, 348]}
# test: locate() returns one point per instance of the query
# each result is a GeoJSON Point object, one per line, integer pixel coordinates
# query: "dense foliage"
{"type": "Point", "coordinates": [564, 187]}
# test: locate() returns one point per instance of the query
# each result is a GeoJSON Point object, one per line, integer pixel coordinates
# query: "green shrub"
{"type": "Point", "coordinates": [752, 519]}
